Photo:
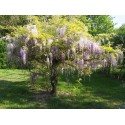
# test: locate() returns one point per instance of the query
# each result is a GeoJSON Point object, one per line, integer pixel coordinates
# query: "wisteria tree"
{"type": "Point", "coordinates": [58, 45]}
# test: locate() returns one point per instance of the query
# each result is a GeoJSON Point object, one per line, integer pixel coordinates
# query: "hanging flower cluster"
{"type": "Point", "coordinates": [9, 48]}
{"type": "Point", "coordinates": [23, 54]}
{"type": "Point", "coordinates": [32, 29]}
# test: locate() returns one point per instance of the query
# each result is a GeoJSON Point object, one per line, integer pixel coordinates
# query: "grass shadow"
{"type": "Point", "coordinates": [16, 95]}
{"type": "Point", "coordinates": [100, 92]}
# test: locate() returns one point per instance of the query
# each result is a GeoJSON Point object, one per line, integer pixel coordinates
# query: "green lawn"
{"type": "Point", "coordinates": [101, 92]}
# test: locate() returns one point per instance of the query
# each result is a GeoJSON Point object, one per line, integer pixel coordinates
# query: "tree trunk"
{"type": "Point", "coordinates": [54, 77]}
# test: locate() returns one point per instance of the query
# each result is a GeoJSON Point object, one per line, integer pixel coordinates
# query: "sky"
{"type": "Point", "coordinates": [119, 19]}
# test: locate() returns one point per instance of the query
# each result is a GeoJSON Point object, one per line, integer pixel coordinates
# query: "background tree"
{"type": "Point", "coordinates": [7, 22]}
{"type": "Point", "coordinates": [13, 20]}
{"type": "Point", "coordinates": [119, 39]}
{"type": "Point", "coordinates": [98, 24]}
{"type": "Point", "coordinates": [2, 54]}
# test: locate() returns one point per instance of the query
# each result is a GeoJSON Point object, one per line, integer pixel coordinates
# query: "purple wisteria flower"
{"type": "Point", "coordinates": [62, 31]}
{"type": "Point", "coordinates": [33, 29]}
{"type": "Point", "coordinates": [27, 40]}
{"type": "Point", "coordinates": [9, 49]}
{"type": "Point", "coordinates": [23, 54]}
{"type": "Point", "coordinates": [80, 64]}
{"type": "Point", "coordinates": [51, 57]}
{"type": "Point", "coordinates": [117, 56]}
{"type": "Point", "coordinates": [68, 53]}
{"type": "Point", "coordinates": [104, 63]}
{"type": "Point", "coordinates": [48, 62]}
{"type": "Point", "coordinates": [113, 62]}
{"type": "Point", "coordinates": [63, 56]}
{"type": "Point", "coordinates": [55, 50]}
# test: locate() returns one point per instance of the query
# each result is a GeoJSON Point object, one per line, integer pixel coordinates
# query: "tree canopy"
{"type": "Point", "coordinates": [59, 44]}
{"type": "Point", "coordinates": [98, 24]}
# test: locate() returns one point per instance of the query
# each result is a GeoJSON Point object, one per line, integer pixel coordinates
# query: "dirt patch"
{"type": "Point", "coordinates": [42, 96]}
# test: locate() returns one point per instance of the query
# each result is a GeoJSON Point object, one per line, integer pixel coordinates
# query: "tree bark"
{"type": "Point", "coordinates": [54, 76]}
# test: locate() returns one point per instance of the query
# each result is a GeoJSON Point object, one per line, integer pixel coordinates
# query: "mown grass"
{"type": "Point", "coordinates": [101, 92]}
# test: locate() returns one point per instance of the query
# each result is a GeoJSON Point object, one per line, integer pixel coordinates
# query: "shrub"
{"type": "Point", "coordinates": [3, 54]}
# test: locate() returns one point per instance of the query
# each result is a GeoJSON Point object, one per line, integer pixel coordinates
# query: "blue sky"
{"type": "Point", "coordinates": [119, 19]}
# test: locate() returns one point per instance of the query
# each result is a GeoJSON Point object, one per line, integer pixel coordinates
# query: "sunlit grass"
{"type": "Point", "coordinates": [100, 92]}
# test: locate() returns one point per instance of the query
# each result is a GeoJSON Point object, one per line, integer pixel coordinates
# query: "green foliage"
{"type": "Point", "coordinates": [13, 20]}
{"type": "Point", "coordinates": [110, 49]}
{"type": "Point", "coordinates": [19, 31]}
{"type": "Point", "coordinates": [100, 24]}
{"type": "Point", "coordinates": [2, 54]}
{"type": "Point", "coordinates": [4, 30]}
{"type": "Point", "coordinates": [118, 72]}
{"type": "Point", "coordinates": [119, 37]}
{"type": "Point", "coordinates": [9, 22]}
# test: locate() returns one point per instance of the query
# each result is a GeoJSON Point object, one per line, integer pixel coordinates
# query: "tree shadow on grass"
{"type": "Point", "coordinates": [105, 87]}
{"type": "Point", "coordinates": [19, 95]}
{"type": "Point", "coordinates": [74, 102]}
{"type": "Point", "coordinates": [103, 93]}
{"type": "Point", "coordinates": [16, 95]}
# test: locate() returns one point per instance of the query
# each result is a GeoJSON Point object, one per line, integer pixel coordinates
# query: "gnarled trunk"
{"type": "Point", "coordinates": [54, 76]}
